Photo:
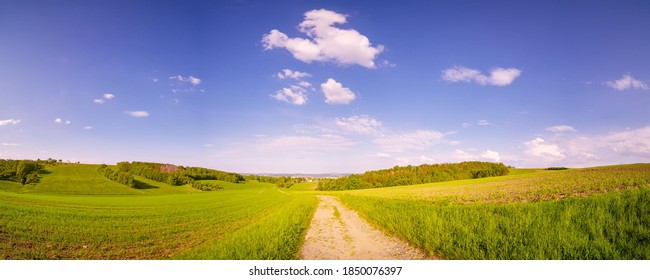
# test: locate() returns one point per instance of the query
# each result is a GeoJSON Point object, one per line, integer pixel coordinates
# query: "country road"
{"type": "Point", "coordinates": [338, 233]}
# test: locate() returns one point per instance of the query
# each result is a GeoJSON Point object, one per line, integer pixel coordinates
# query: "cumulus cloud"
{"type": "Point", "coordinates": [325, 41]}
{"type": "Point", "coordinates": [627, 82]}
{"type": "Point", "coordinates": [359, 124]}
{"type": "Point", "coordinates": [191, 79]}
{"type": "Point", "coordinates": [99, 100]}
{"type": "Point", "coordinates": [461, 155]}
{"type": "Point", "coordinates": [561, 128]}
{"type": "Point", "coordinates": [288, 73]}
{"type": "Point", "coordinates": [543, 150]}
{"type": "Point", "coordinates": [498, 76]}
{"type": "Point", "coordinates": [137, 114]}
{"type": "Point", "coordinates": [335, 93]}
{"type": "Point", "coordinates": [8, 122]}
{"type": "Point", "coordinates": [634, 142]}
{"type": "Point", "coordinates": [295, 95]}
{"type": "Point", "coordinates": [108, 96]}
{"type": "Point", "coordinates": [490, 155]}
{"type": "Point", "coordinates": [419, 140]}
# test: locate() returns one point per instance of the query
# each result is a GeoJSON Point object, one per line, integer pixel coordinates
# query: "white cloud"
{"type": "Point", "coordinates": [295, 95]}
{"type": "Point", "coordinates": [466, 125]}
{"type": "Point", "coordinates": [490, 155]}
{"type": "Point", "coordinates": [634, 142]}
{"type": "Point", "coordinates": [498, 76]}
{"type": "Point", "coordinates": [59, 120]}
{"type": "Point", "coordinates": [288, 73]}
{"type": "Point", "coordinates": [386, 63]}
{"type": "Point", "coordinates": [191, 79]}
{"type": "Point", "coordinates": [403, 161]}
{"type": "Point", "coordinates": [418, 140]}
{"type": "Point", "coordinates": [627, 82]}
{"type": "Point", "coordinates": [304, 84]}
{"type": "Point", "coordinates": [359, 124]}
{"type": "Point", "coordinates": [543, 150]}
{"type": "Point", "coordinates": [561, 128]}
{"type": "Point", "coordinates": [335, 93]}
{"type": "Point", "coordinates": [484, 122]}
{"type": "Point", "coordinates": [8, 122]}
{"type": "Point", "coordinates": [88, 127]}
{"type": "Point", "coordinates": [9, 144]}
{"type": "Point", "coordinates": [326, 42]}
{"type": "Point", "coordinates": [382, 155]}
{"type": "Point", "coordinates": [461, 155]}
{"type": "Point", "coordinates": [137, 114]}
{"type": "Point", "coordinates": [105, 97]}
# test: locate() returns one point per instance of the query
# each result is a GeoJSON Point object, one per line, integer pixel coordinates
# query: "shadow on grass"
{"type": "Point", "coordinates": [143, 186]}
{"type": "Point", "coordinates": [44, 172]}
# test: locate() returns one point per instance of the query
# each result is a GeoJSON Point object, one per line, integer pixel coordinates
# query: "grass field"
{"type": "Point", "coordinates": [599, 213]}
{"type": "Point", "coordinates": [117, 222]}
{"type": "Point", "coordinates": [75, 213]}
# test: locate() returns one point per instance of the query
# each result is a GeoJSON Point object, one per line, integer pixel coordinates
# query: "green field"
{"type": "Point", "coordinates": [596, 213]}
{"type": "Point", "coordinates": [73, 212]}
{"type": "Point", "coordinates": [45, 221]}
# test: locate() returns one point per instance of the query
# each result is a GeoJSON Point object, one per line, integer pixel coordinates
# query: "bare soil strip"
{"type": "Point", "coordinates": [338, 233]}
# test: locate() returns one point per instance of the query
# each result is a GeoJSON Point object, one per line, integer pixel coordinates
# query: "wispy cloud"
{"type": "Point", "coordinates": [288, 73]}
{"type": "Point", "coordinates": [498, 76]}
{"type": "Point", "coordinates": [325, 41]}
{"type": "Point", "coordinates": [88, 127]}
{"type": "Point", "coordinates": [561, 128]}
{"type": "Point", "coordinates": [627, 82]}
{"type": "Point", "coordinates": [418, 141]}
{"type": "Point", "coordinates": [9, 144]}
{"type": "Point", "coordinates": [461, 155]}
{"type": "Point", "coordinates": [540, 149]}
{"type": "Point", "coordinates": [363, 124]}
{"type": "Point", "coordinates": [9, 122]}
{"type": "Point", "coordinates": [335, 93]}
{"type": "Point", "coordinates": [295, 95]}
{"type": "Point", "coordinates": [191, 79]}
{"type": "Point", "coordinates": [137, 114]}
{"type": "Point", "coordinates": [105, 97]}
{"type": "Point", "coordinates": [484, 122]}
{"type": "Point", "coordinates": [304, 144]}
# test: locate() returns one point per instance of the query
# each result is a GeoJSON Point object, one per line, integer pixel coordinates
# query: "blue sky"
{"type": "Point", "coordinates": [326, 86]}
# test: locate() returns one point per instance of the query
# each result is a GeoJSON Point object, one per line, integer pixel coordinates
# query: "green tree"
{"type": "Point", "coordinates": [23, 171]}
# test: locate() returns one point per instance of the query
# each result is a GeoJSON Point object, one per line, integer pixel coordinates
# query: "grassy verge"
{"type": "Point", "coordinates": [277, 236]}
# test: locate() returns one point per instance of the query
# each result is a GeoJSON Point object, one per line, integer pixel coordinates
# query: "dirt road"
{"type": "Point", "coordinates": [338, 233]}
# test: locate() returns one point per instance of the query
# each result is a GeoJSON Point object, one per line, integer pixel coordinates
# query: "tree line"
{"type": "Point", "coordinates": [412, 175]}
{"type": "Point", "coordinates": [122, 177]}
{"type": "Point", "coordinates": [174, 175]}
{"type": "Point", "coordinates": [22, 171]}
